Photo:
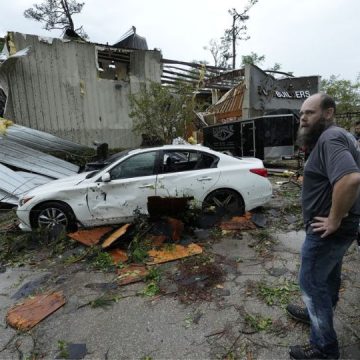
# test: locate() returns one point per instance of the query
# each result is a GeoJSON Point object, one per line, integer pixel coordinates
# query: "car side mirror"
{"type": "Point", "coordinates": [106, 177]}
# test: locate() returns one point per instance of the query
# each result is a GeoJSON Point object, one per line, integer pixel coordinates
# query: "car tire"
{"type": "Point", "coordinates": [225, 201]}
{"type": "Point", "coordinates": [48, 215]}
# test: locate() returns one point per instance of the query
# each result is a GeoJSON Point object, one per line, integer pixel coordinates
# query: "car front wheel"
{"type": "Point", "coordinates": [225, 201]}
{"type": "Point", "coordinates": [52, 214]}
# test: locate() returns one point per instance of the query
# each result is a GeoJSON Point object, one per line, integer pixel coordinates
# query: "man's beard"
{"type": "Point", "coordinates": [308, 138]}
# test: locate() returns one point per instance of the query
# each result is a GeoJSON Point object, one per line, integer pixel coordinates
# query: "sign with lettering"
{"type": "Point", "coordinates": [298, 94]}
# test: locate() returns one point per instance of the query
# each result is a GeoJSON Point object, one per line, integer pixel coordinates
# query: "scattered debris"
{"type": "Point", "coordinates": [118, 256]}
{"type": "Point", "coordinates": [174, 252]}
{"type": "Point", "coordinates": [117, 234]}
{"type": "Point", "coordinates": [279, 294]}
{"type": "Point", "coordinates": [257, 323]}
{"type": "Point", "coordinates": [26, 315]}
{"type": "Point", "coordinates": [259, 220]}
{"type": "Point", "coordinates": [102, 260]}
{"type": "Point", "coordinates": [238, 223]}
{"type": "Point", "coordinates": [131, 274]}
{"type": "Point", "coordinates": [91, 236]}
{"type": "Point", "coordinates": [71, 351]}
{"type": "Point", "coordinates": [198, 280]}
{"type": "Point", "coordinates": [177, 228]}
{"type": "Point", "coordinates": [157, 240]}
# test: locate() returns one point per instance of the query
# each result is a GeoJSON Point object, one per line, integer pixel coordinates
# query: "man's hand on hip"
{"type": "Point", "coordinates": [324, 225]}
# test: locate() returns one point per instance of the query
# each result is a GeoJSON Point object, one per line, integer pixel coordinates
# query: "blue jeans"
{"type": "Point", "coordinates": [320, 278]}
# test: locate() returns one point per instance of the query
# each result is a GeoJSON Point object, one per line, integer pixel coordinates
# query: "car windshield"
{"type": "Point", "coordinates": [116, 156]}
{"type": "Point", "coordinates": [107, 162]}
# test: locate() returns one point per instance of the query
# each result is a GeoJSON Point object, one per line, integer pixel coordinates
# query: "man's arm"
{"type": "Point", "coordinates": [345, 192]}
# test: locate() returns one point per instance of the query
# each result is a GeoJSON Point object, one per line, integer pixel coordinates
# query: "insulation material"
{"type": "Point", "coordinates": [26, 315]}
{"type": "Point", "coordinates": [91, 236]}
{"type": "Point", "coordinates": [174, 253]}
{"type": "Point", "coordinates": [4, 125]}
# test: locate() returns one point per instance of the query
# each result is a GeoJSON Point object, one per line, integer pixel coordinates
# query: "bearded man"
{"type": "Point", "coordinates": [331, 211]}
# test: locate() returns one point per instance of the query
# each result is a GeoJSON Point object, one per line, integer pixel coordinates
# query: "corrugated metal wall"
{"type": "Point", "coordinates": [57, 89]}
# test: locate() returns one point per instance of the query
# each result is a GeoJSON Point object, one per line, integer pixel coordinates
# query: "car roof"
{"type": "Point", "coordinates": [172, 147]}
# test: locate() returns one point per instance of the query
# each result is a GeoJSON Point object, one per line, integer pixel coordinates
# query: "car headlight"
{"type": "Point", "coordinates": [24, 200]}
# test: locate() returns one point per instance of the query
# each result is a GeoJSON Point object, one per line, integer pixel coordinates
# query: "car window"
{"type": "Point", "coordinates": [138, 165]}
{"type": "Point", "coordinates": [183, 160]}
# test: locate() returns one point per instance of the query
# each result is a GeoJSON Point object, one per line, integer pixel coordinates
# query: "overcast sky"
{"type": "Point", "coordinates": [308, 37]}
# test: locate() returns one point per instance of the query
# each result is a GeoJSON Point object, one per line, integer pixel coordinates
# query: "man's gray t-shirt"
{"type": "Point", "coordinates": [335, 154]}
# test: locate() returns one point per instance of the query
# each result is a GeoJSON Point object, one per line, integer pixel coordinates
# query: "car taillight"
{"type": "Point", "coordinates": [262, 172]}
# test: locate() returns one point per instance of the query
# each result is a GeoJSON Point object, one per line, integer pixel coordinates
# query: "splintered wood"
{"type": "Point", "coordinates": [172, 253]}
{"type": "Point", "coordinates": [26, 315]}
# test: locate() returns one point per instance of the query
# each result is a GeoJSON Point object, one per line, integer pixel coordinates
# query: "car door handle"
{"type": "Point", "coordinates": [205, 179]}
{"type": "Point", "coordinates": [146, 186]}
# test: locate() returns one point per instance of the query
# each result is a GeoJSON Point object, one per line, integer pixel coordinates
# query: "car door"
{"type": "Point", "coordinates": [132, 181]}
{"type": "Point", "coordinates": [186, 173]}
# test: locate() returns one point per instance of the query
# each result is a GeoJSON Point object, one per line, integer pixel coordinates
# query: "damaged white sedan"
{"type": "Point", "coordinates": [113, 194]}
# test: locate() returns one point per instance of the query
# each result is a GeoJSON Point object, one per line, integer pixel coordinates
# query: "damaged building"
{"type": "Point", "coordinates": [74, 89]}
{"type": "Point", "coordinates": [259, 116]}
{"type": "Point", "coordinates": [258, 92]}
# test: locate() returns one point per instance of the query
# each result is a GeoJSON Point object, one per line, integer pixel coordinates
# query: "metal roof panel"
{"type": "Point", "coordinates": [23, 157]}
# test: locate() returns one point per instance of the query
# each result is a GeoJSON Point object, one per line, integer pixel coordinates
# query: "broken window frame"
{"type": "Point", "coordinates": [191, 165]}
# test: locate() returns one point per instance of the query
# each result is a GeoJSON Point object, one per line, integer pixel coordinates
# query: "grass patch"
{"type": "Point", "coordinates": [279, 295]}
{"type": "Point", "coordinates": [153, 275]}
{"type": "Point", "coordinates": [138, 249]}
{"type": "Point", "coordinates": [139, 245]}
{"type": "Point", "coordinates": [63, 349]}
{"type": "Point", "coordinates": [101, 260]}
{"type": "Point", "coordinates": [151, 289]}
{"type": "Point", "coordinates": [104, 301]}
{"type": "Point", "coordinates": [258, 323]}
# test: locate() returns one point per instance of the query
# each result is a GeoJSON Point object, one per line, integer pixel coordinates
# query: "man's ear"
{"type": "Point", "coordinates": [329, 113]}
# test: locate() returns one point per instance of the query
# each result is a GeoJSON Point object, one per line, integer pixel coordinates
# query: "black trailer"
{"type": "Point", "coordinates": [267, 137]}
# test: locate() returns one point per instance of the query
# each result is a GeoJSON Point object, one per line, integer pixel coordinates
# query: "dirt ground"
{"type": "Point", "coordinates": [226, 303]}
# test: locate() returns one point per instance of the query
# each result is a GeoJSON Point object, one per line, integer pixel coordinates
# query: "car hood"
{"type": "Point", "coordinates": [58, 184]}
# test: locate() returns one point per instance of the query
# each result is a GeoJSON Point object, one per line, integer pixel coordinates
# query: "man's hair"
{"type": "Point", "coordinates": [327, 102]}
{"type": "Point", "coordinates": [357, 122]}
